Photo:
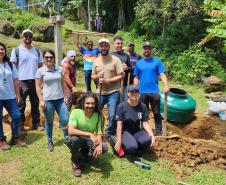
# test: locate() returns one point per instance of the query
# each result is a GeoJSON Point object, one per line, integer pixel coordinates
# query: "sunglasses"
{"type": "Point", "coordinates": [48, 57]}
{"type": "Point", "coordinates": [135, 91]}
{"type": "Point", "coordinates": [30, 36]}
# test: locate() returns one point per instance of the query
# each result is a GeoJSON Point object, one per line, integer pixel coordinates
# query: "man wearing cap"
{"type": "Point", "coordinates": [107, 69]}
{"type": "Point", "coordinates": [133, 57]}
{"type": "Point", "coordinates": [69, 75]}
{"type": "Point", "coordinates": [89, 55]}
{"type": "Point", "coordinates": [28, 59]}
{"type": "Point", "coordinates": [146, 72]}
{"type": "Point", "coordinates": [133, 133]}
{"type": "Point", "coordinates": [118, 52]}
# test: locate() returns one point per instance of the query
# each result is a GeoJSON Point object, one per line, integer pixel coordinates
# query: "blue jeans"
{"type": "Point", "coordinates": [13, 110]}
{"type": "Point", "coordinates": [88, 78]}
{"type": "Point", "coordinates": [62, 111]}
{"type": "Point", "coordinates": [112, 101]}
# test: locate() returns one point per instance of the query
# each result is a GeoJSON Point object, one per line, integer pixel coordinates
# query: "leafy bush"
{"type": "Point", "coordinates": [194, 64]}
{"type": "Point", "coordinates": [23, 20]}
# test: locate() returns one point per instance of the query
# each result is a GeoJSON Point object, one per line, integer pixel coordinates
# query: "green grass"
{"type": "Point", "coordinates": [35, 165]}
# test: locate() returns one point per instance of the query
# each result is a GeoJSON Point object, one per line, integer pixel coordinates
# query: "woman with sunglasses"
{"type": "Point", "coordinates": [133, 133]}
{"type": "Point", "coordinates": [9, 97]}
{"type": "Point", "coordinates": [51, 97]}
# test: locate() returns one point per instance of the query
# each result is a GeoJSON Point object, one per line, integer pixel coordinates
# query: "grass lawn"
{"type": "Point", "coordinates": [35, 165]}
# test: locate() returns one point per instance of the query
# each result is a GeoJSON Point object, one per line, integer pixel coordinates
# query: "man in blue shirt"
{"type": "Point", "coordinates": [146, 72]}
{"type": "Point", "coordinates": [89, 55]}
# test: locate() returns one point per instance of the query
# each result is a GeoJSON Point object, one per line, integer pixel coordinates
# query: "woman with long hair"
{"type": "Point", "coordinates": [85, 130]}
{"type": "Point", "coordinates": [51, 97]}
{"type": "Point", "coordinates": [9, 97]}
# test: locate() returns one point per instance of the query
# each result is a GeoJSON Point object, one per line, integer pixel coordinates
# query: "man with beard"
{"type": "Point", "coordinates": [146, 72]}
{"type": "Point", "coordinates": [118, 52]}
{"type": "Point", "coordinates": [89, 55]}
{"type": "Point", "coordinates": [69, 76]}
{"type": "Point", "coordinates": [108, 70]}
{"type": "Point", "coordinates": [27, 59]}
{"type": "Point", "coordinates": [85, 131]}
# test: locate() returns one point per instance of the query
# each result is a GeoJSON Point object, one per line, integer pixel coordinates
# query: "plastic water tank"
{"type": "Point", "coordinates": [181, 106]}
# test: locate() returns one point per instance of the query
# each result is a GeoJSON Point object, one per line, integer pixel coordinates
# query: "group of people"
{"type": "Point", "coordinates": [125, 82]}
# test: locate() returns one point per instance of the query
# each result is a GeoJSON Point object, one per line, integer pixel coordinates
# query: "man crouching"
{"type": "Point", "coordinates": [85, 131]}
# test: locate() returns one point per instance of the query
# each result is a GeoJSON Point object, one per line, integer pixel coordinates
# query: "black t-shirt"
{"type": "Point", "coordinates": [124, 59]}
{"type": "Point", "coordinates": [131, 116]}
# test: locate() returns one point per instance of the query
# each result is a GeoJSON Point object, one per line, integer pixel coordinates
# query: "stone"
{"type": "Point", "coordinates": [213, 83]}
{"type": "Point", "coordinates": [6, 28]}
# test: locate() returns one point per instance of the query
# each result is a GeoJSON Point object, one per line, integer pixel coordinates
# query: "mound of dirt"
{"type": "Point", "coordinates": [190, 152]}
{"type": "Point", "coordinates": [203, 127]}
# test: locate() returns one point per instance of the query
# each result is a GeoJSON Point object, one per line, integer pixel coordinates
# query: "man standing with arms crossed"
{"type": "Point", "coordinates": [146, 72]}
{"type": "Point", "coordinates": [27, 60]}
{"type": "Point", "coordinates": [108, 70]}
{"type": "Point", "coordinates": [118, 52]}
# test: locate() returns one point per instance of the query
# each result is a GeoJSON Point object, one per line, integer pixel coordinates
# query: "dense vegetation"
{"type": "Point", "coordinates": [188, 35]}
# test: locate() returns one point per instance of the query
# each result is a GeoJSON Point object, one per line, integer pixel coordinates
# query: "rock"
{"type": "Point", "coordinates": [43, 32]}
{"type": "Point", "coordinates": [213, 83]}
{"type": "Point", "coordinates": [16, 35]}
{"type": "Point", "coordinates": [214, 94]}
{"type": "Point", "coordinates": [6, 28]}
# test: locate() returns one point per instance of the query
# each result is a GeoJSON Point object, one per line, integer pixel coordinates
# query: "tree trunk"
{"type": "Point", "coordinates": [121, 17]}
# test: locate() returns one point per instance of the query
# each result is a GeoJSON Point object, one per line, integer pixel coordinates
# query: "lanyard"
{"type": "Point", "coordinates": [3, 70]}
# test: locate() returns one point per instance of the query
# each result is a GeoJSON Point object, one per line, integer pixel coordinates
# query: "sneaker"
{"type": "Point", "coordinates": [76, 171]}
{"type": "Point", "coordinates": [18, 142]}
{"type": "Point", "coordinates": [4, 145]}
{"type": "Point", "coordinates": [50, 146]}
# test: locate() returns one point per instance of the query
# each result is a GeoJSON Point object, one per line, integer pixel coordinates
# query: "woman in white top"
{"type": "Point", "coordinates": [51, 97]}
{"type": "Point", "coordinates": [9, 97]}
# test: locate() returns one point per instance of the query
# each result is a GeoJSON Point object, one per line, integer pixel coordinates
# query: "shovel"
{"type": "Point", "coordinates": [165, 115]}
{"type": "Point", "coordinates": [164, 128]}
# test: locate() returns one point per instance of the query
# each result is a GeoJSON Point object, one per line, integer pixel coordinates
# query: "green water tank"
{"type": "Point", "coordinates": [181, 106]}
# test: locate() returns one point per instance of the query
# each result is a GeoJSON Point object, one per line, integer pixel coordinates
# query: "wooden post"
{"type": "Point", "coordinates": [57, 21]}
{"type": "Point", "coordinates": [89, 16]}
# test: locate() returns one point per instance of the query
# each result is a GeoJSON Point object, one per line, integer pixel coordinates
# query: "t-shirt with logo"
{"type": "Point", "coordinates": [131, 116]}
{"type": "Point", "coordinates": [148, 71]}
{"type": "Point", "coordinates": [88, 57]}
{"type": "Point", "coordinates": [7, 90]}
{"type": "Point", "coordinates": [133, 57]}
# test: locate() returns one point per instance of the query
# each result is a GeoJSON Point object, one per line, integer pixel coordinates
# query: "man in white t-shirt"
{"type": "Point", "coordinates": [27, 60]}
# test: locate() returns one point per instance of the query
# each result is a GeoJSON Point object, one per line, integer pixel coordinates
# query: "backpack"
{"type": "Point", "coordinates": [17, 54]}
{"type": "Point", "coordinates": [10, 65]}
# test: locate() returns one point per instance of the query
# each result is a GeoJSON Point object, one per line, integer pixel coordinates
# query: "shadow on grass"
{"type": "Point", "coordinates": [33, 136]}
{"type": "Point", "coordinates": [100, 165]}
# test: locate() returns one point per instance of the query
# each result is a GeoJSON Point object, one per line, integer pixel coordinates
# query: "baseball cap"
{"type": "Point", "coordinates": [103, 40]}
{"type": "Point", "coordinates": [71, 53]}
{"type": "Point", "coordinates": [133, 88]}
{"type": "Point", "coordinates": [147, 43]}
{"type": "Point", "coordinates": [27, 31]}
{"type": "Point", "coordinates": [130, 43]}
